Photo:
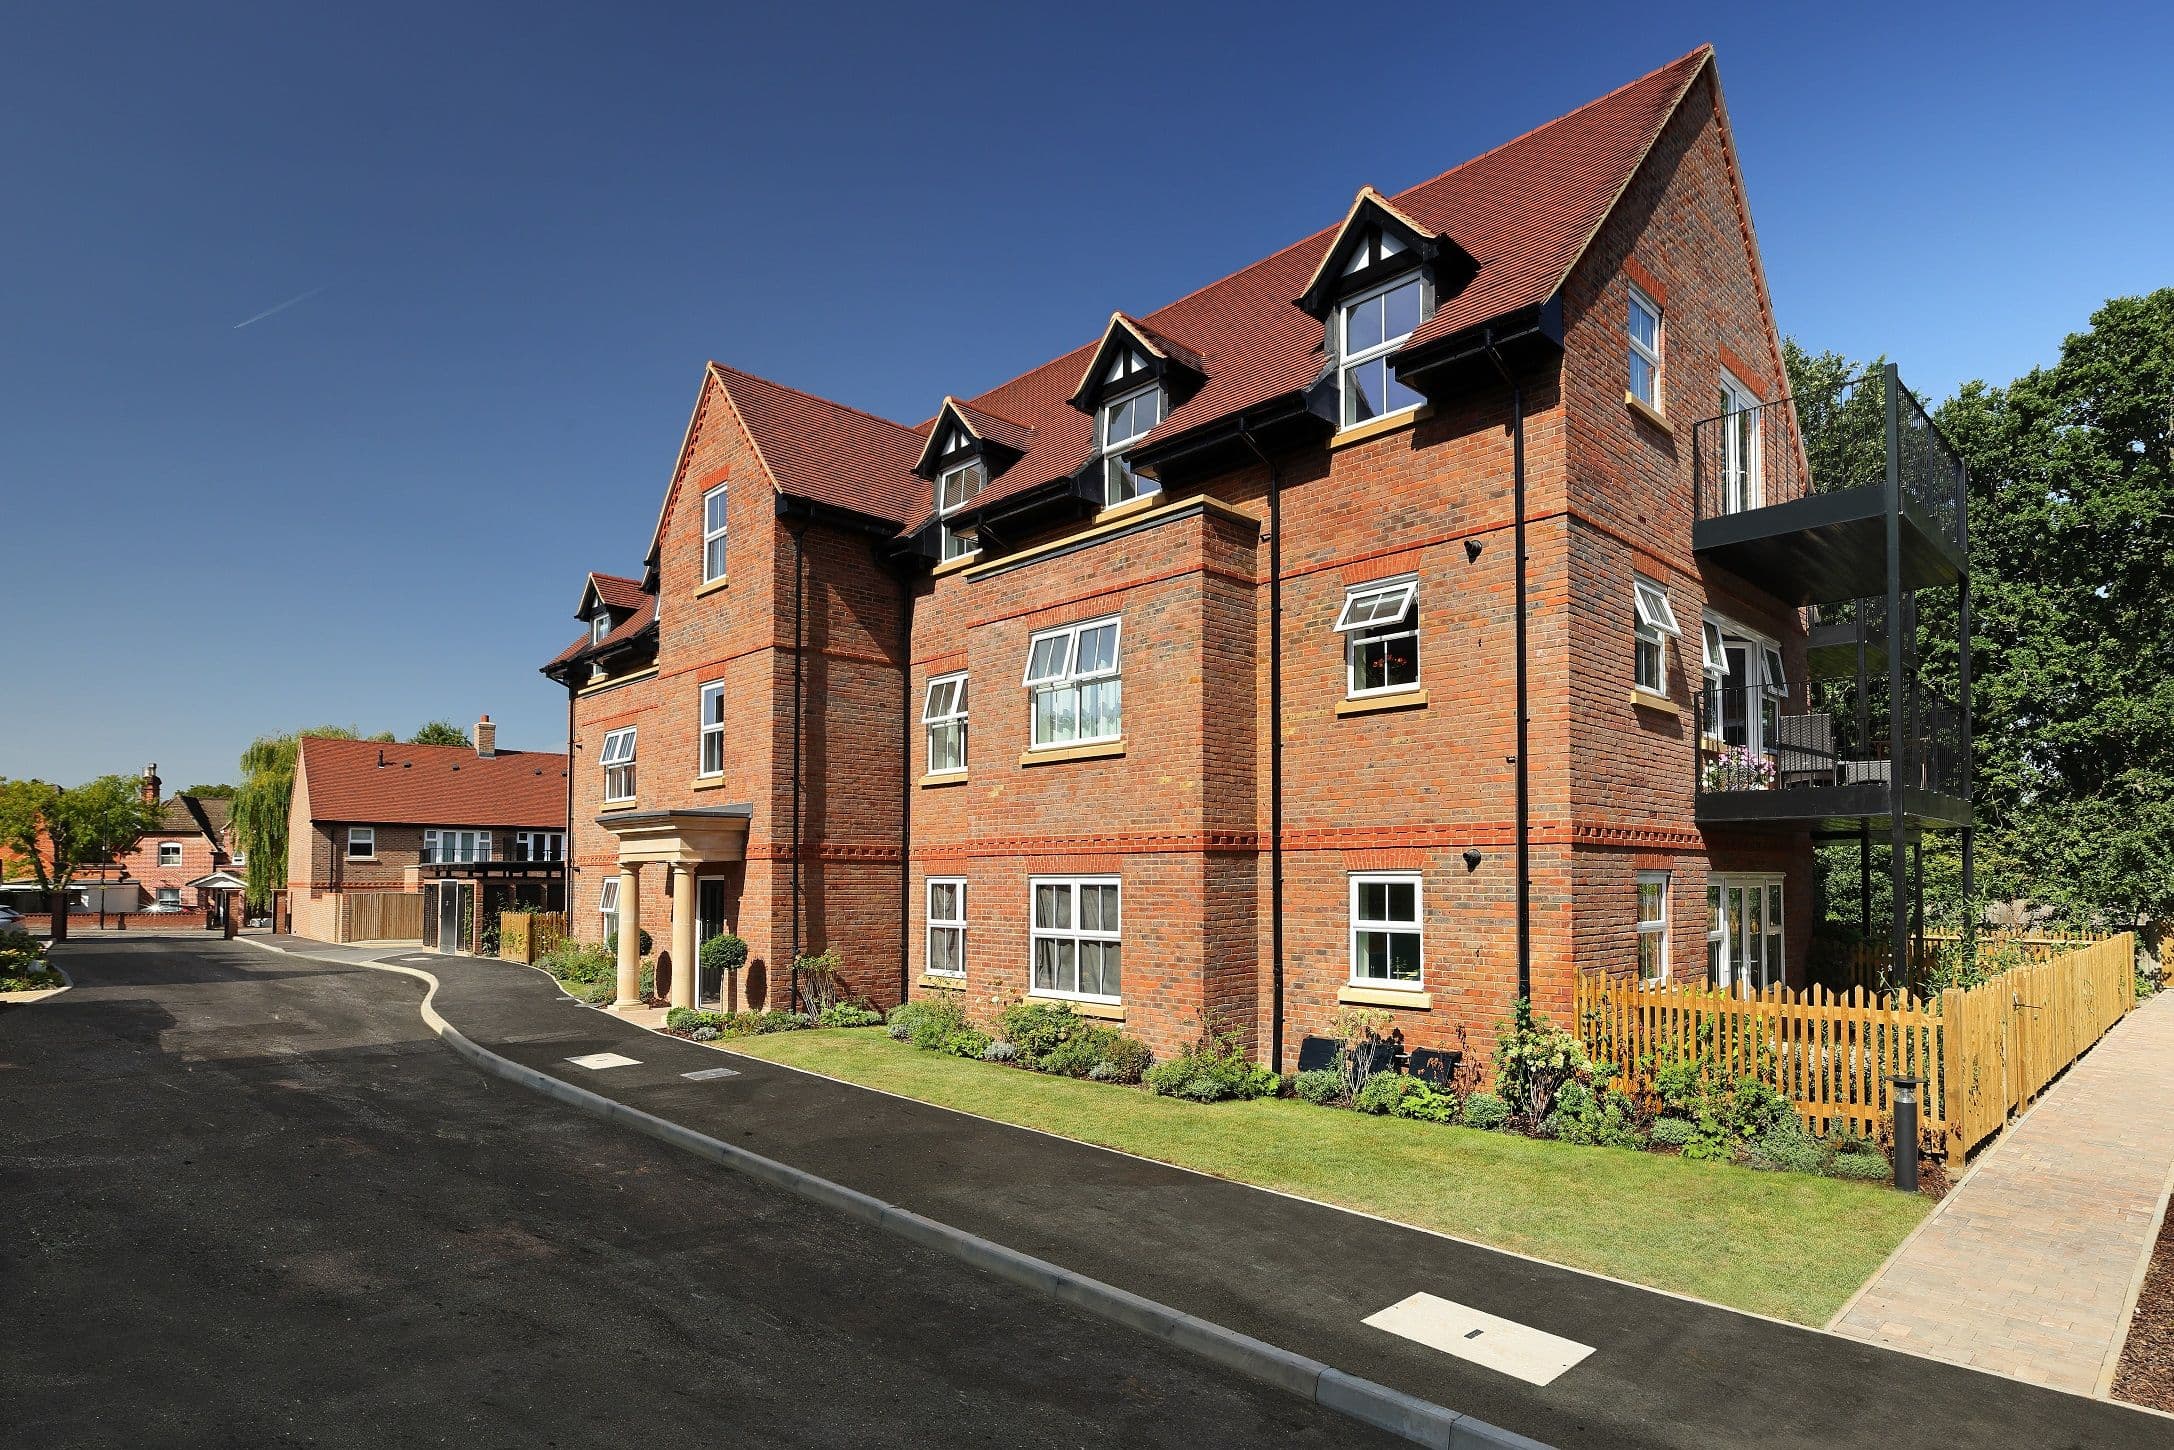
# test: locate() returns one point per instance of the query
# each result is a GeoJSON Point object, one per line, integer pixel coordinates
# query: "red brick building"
{"type": "Point", "coordinates": [1180, 676]}
{"type": "Point", "coordinates": [192, 842]}
{"type": "Point", "coordinates": [426, 842]}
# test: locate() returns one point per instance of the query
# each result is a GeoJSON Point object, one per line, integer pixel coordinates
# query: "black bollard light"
{"type": "Point", "coordinates": [1906, 1132]}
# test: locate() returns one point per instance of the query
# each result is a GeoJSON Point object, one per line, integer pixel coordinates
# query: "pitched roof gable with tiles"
{"type": "Point", "coordinates": [1525, 211]}
{"type": "Point", "coordinates": [643, 614]}
{"type": "Point", "coordinates": [431, 785]}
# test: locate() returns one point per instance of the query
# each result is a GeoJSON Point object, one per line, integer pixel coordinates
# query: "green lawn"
{"type": "Point", "coordinates": [1779, 1243]}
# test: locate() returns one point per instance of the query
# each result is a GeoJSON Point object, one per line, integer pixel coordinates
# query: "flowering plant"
{"type": "Point", "coordinates": [1738, 767]}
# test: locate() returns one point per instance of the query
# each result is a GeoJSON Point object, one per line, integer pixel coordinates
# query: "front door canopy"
{"type": "Point", "coordinates": [710, 836]}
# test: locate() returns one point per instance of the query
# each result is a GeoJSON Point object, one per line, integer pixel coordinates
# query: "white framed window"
{"type": "Point", "coordinates": [444, 845]}
{"type": "Point", "coordinates": [943, 712]}
{"type": "Point", "coordinates": [1074, 681]}
{"type": "Point", "coordinates": [541, 846]}
{"type": "Point", "coordinates": [711, 715]}
{"type": "Point", "coordinates": [946, 927]}
{"type": "Point", "coordinates": [1645, 348]}
{"type": "Point", "coordinates": [1655, 626]}
{"type": "Point", "coordinates": [1125, 421]}
{"type": "Point", "coordinates": [1742, 486]}
{"type": "Point", "coordinates": [169, 853]}
{"type": "Point", "coordinates": [1380, 626]}
{"type": "Point", "coordinates": [1714, 665]}
{"type": "Point", "coordinates": [1386, 930]}
{"type": "Point", "coordinates": [1076, 941]}
{"type": "Point", "coordinates": [1744, 938]}
{"type": "Point", "coordinates": [617, 758]}
{"type": "Point", "coordinates": [599, 626]}
{"type": "Point", "coordinates": [1653, 926]}
{"type": "Point", "coordinates": [1369, 327]}
{"type": "Point", "coordinates": [607, 904]}
{"type": "Point", "coordinates": [956, 487]}
{"type": "Point", "coordinates": [713, 534]}
{"type": "Point", "coordinates": [362, 843]}
{"type": "Point", "coordinates": [169, 896]}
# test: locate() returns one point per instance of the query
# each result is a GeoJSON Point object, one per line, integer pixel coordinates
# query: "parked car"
{"type": "Point", "coordinates": [161, 908]}
{"type": "Point", "coordinates": [9, 916]}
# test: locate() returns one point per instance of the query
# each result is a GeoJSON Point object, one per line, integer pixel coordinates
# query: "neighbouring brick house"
{"type": "Point", "coordinates": [191, 845]}
{"type": "Point", "coordinates": [1181, 675]}
{"type": "Point", "coordinates": [429, 842]}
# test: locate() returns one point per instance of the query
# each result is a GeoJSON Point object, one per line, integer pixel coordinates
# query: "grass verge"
{"type": "Point", "coordinates": [1784, 1244]}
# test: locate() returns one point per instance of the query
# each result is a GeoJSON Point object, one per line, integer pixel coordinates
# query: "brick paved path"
{"type": "Point", "coordinates": [2025, 1270]}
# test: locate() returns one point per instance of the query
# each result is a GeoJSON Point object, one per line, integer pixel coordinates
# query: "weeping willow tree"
{"type": "Point", "coordinates": [261, 802]}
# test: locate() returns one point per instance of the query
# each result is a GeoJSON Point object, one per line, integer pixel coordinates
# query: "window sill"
{"type": "Point", "coordinates": [1646, 410]}
{"type": "Point", "coordinates": [1101, 750]}
{"type": "Point", "coordinates": [613, 682]}
{"type": "Point", "coordinates": [714, 585]}
{"type": "Point", "coordinates": [1384, 997]}
{"type": "Point", "coordinates": [1371, 704]}
{"type": "Point", "coordinates": [1647, 700]}
{"type": "Point", "coordinates": [1137, 504]}
{"type": "Point", "coordinates": [1375, 427]}
{"type": "Point", "coordinates": [619, 805]}
{"type": "Point", "coordinates": [938, 982]}
{"type": "Point", "coordinates": [943, 777]}
{"type": "Point", "coordinates": [360, 860]}
{"type": "Point", "coordinates": [1100, 1011]}
{"type": "Point", "coordinates": [953, 566]}
{"type": "Point", "coordinates": [709, 782]}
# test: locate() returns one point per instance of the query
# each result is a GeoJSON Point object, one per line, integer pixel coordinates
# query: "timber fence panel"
{"type": "Point", "coordinates": [385, 916]}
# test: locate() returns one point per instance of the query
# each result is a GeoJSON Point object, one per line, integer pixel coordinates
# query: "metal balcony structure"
{"type": "Point", "coordinates": [1855, 505]}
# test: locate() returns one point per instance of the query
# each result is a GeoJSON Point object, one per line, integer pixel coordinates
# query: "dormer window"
{"type": "Point", "coordinates": [1124, 421]}
{"type": "Point", "coordinates": [956, 487]}
{"type": "Point", "coordinates": [599, 626]}
{"type": "Point", "coordinates": [1379, 246]}
{"type": "Point", "coordinates": [1369, 327]}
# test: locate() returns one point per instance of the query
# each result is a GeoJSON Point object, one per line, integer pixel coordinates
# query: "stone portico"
{"type": "Point", "coordinates": [684, 843]}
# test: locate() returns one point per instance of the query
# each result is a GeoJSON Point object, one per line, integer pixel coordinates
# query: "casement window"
{"type": "Point", "coordinates": [540, 846]}
{"type": "Point", "coordinates": [1655, 626]}
{"type": "Point", "coordinates": [956, 487]}
{"type": "Point", "coordinates": [1645, 349]}
{"type": "Point", "coordinates": [169, 853]}
{"type": "Point", "coordinates": [362, 843]}
{"type": "Point", "coordinates": [1076, 941]}
{"type": "Point", "coordinates": [1077, 692]}
{"type": "Point", "coordinates": [713, 534]}
{"type": "Point", "coordinates": [1653, 926]}
{"type": "Point", "coordinates": [712, 720]}
{"type": "Point", "coordinates": [1714, 666]}
{"type": "Point", "coordinates": [1124, 421]}
{"type": "Point", "coordinates": [169, 896]}
{"type": "Point", "coordinates": [946, 927]}
{"type": "Point", "coordinates": [1380, 626]}
{"type": "Point", "coordinates": [617, 758]}
{"type": "Point", "coordinates": [1369, 327]}
{"type": "Point", "coordinates": [599, 626]}
{"type": "Point", "coordinates": [1386, 931]}
{"type": "Point", "coordinates": [607, 904]}
{"type": "Point", "coordinates": [1744, 932]}
{"type": "Point", "coordinates": [943, 712]}
{"type": "Point", "coordinates": [441, 847]}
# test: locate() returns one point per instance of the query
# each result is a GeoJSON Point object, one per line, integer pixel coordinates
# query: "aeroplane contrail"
{"type": "Point", "coordinates": [282, 307]}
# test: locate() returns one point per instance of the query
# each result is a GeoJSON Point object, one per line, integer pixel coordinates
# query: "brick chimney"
{"type": "Point", "coordinates": [486, 738]}
{"type": "Point", "coordinates": [151, 783]}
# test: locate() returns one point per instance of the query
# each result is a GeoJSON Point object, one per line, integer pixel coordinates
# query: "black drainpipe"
{"type": "Point", "coordinates": [905, 782]}
{"type": "Point", "coordinates": [1275, 748]}
{"type": "Point", "coordinates": [1524, 770]}
{"type": "Point", "coordinates": [800, 594]}
{"type": "Point", "coordinates": [566, 863]}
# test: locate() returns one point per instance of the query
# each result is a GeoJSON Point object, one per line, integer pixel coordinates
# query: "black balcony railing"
{"type": "Point", "coordinates": [1754, 739]}
{"type": "Point", "coordinates": [1757, 455]}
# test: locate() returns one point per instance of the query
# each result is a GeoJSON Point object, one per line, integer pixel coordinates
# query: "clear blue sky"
{"type": "Point", "coordinates": [521, 233]}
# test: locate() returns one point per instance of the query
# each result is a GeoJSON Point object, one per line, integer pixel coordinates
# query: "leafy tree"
{"type": "Point", "coordinates": [261, 803]}
{"type": "Point", "coordinates": [439, 732]}
{"type": "Point", "coordinates": [59, 832]}
{"type": "Point", "coordinates": [211, 792]}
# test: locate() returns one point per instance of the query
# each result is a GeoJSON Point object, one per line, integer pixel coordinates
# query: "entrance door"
{"type": "Point", "coordinates": [1744, 939]}
{"type": "Point", "coordinates": [709, 921]}
{"type": "Point", "coordinates": [448, 917]}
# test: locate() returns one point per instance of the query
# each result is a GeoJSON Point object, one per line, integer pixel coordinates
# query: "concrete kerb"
{"type": "Point", "coordinates": [42, 994]}
{"type": "Point", "coordinates": [1364, 1400]}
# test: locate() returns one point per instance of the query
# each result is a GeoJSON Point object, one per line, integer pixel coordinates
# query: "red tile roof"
{"type": "Point", "coordinates": [644, 614]}
{"type": "Point", "coordinates": [617, 591]}
{"type": "Point", "coordinates": [431, 785]}
{"type": "Point", "coordinates": [1524, 211]}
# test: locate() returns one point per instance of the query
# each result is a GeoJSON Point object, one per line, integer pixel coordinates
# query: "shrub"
{"type": "Point", "coordinates": [1486, 1111]}
{"type": "Point", "coordinates": [902, 1019]}
{"type": "Point", "coordinates": [1395, 1095]}
{"type": "Point", "coordinates": [722, 954]}
{"type": "Point", "coordinates": [968, 1042]}
{"type": "Point", "coordinates": [1533, 1060]}
{"type": "Point", "coordinates": [1674, 1132]}
{"type": "Point", "coordinates": [686, 1019]}
{"type": "Point", "coordinates": [611, 945]}
{"type": "Point", "coordinates": [1213, 1068]}
{"type": "Point", "coordinates": [821, 982]}
{"type": "Point", "coordinates": [848, 1014]}
{"type": "Point", "coordinates": [1368, 1038]}
{"type": "Point", "coordinates": [1080, 1053]}
{"type": "Point", "coordinates": [1867, 1167]}
{"type": "Point", "coordinates": [1593, 1117]}
{"type": "Point", "coordinates": [1039, 1028]}
{"type": "Point", "coordinates": [1124, 1059]}
{"type": "Point", "coordinates": [706, 1033]}
{"type": "Point", "coordinates": [938, 1019]}
{"type": "Point", "coordinates": [1788, 1147]}
{"type": "Point", "coordinates": [1322, 1086]}
{"type": "Point", "coordinates": [777, 1021]}
{"type": "Point", "coordinates": [1000, 1051]}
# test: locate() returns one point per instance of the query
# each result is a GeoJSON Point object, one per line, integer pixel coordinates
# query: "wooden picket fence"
{"type": "Point", "coordinates": [1866, 964]}
{"type": "Point", "coordinates": [523, 936]}
{"type": "Point", "coordinates": [1985, 1052]}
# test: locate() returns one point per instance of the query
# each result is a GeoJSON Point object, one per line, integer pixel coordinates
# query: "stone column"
{"type": "Point", "coordinates": [630, 937]}
{"type": "Point", "coordinates": [683, 937]}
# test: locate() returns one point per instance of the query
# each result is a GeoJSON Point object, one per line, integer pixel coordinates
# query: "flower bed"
{"type": "Point", "coordinates": [23, 968]}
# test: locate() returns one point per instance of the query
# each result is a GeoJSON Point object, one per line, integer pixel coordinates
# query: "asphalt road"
{"type": "Point", "coordinates": [248, 1200]}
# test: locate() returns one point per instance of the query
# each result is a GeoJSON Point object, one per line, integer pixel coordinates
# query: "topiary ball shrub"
{"type": "Point", "coordinates": [1323, 1087]}
{"type": "Point", "coordinates": [1485, 1111]}
{"type": "Point", "coordinates": [611, 945]}
{"type": "Point", "coordinates": [721, 954]}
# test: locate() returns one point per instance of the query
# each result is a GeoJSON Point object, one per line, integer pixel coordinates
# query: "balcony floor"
{"type": "Point", "coordinates": [1825, 548]}
{"type": "Point", "coordinates": [1831, 809]}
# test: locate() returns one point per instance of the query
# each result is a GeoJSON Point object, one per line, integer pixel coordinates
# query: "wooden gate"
{"type": "Point", "coordinates": [384, 916]}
